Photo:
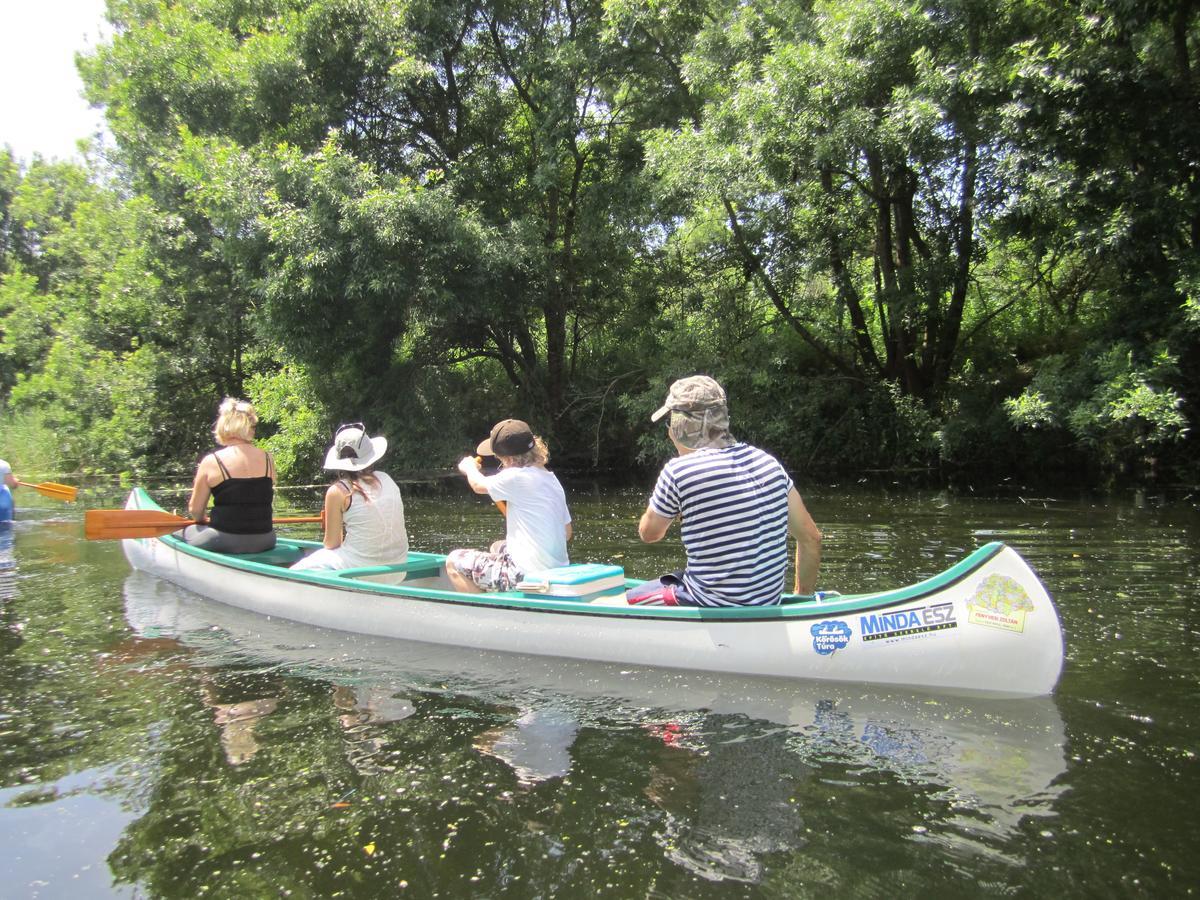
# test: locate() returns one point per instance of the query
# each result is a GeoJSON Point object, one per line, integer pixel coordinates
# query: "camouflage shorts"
{"type": "Point", "coordinates": [491, 570]}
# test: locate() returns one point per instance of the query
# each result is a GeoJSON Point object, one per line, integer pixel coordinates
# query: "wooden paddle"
{"type": "Point", "coordinates": [118, 524]}
{"type": "Point", "coordinates": [62, 492]}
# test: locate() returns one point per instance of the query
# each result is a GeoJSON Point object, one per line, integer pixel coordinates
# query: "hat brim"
{"type": "Point", "coordinates": [660, 412]}
{"type": "Point", "coordinates": [485, 448]}
{"type": "Point", "coordinates": [378, 448]}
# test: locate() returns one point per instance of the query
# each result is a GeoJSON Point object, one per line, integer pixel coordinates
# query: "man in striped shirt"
{"type": "Point", "coordinates": [737, 506]}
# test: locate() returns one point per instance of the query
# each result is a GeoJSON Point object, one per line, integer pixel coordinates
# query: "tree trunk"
{"type": "Point", "coordinates": [846, 291]}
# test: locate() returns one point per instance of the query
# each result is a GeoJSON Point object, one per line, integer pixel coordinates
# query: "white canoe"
{"type": "Point", "coordinates": [985, 624]}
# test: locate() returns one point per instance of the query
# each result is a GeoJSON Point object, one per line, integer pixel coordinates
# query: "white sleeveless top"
{"type": "Point", "coordinates": [375, 532]}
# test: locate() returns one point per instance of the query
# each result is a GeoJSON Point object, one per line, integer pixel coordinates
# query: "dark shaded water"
{"type": "Point", "coordinates": [155, 744]}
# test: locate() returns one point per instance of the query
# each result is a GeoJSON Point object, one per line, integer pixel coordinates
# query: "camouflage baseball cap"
{"type": "Point", "coordinates": [694, 394]}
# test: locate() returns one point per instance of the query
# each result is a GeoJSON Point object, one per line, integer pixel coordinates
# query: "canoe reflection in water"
{"type": "Point", "coordinates": [738, 760]}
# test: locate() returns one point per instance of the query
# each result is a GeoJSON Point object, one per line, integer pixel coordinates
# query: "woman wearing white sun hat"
{"type": "Point", "coordinates": [364, 515]}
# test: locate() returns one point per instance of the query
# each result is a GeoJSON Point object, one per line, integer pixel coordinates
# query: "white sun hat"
{"type": "Point", "coordinates": [353, 450]}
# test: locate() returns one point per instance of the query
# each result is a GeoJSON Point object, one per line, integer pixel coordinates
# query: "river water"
{"type": "Point", "coordinates": [156, 744]}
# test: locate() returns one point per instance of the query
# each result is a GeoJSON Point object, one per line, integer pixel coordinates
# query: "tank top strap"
{"type": "Point", "coordinates": [221, 465]}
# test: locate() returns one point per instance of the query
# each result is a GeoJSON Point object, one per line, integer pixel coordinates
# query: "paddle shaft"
{"type": "Point", "coordinates": [119, 524]}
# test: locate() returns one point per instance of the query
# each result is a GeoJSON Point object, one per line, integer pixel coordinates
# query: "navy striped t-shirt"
{"type": "Point", "coordinates": [734, 507]}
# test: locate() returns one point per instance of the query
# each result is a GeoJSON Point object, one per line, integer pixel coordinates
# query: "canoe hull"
{"type": "Point", "coordinates": [990, 627]}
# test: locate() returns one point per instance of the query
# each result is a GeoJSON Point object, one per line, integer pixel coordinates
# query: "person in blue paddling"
{"type": "Point", "coordinates": [538, 523]}
{"type": "Point", "coordinates": [737, 506]}
{"type": "Point", "coordinates": [8, 483]}
{"type": "Point", "coordinates": [364, 512]}
{"type": "Point", "coordinates": [240, 479]}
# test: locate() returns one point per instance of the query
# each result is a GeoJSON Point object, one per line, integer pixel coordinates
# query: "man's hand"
{"type": "Point", "coordinates": [468, 465]}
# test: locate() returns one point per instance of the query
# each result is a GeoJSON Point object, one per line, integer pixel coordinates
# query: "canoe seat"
{"type": "Point", "coordinates": [281, 555]}
{"type": "Point", "coordinates": [408, 571]}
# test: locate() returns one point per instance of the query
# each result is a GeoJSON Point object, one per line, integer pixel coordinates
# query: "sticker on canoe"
{"type": "Point", "coordinates": [830, 636]}
{"type": "Point", "coordinates": [999, 602]}
{"type": "Point", "coordinates": [920, 621]}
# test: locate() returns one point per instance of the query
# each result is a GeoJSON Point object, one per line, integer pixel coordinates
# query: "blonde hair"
{"type": "Point", "coordinates": [235, 419]}
{"type": "Point", "coordinates": [538, 456]}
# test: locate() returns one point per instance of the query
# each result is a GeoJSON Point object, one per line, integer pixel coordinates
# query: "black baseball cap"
{"type": "Point", "coordinates": [512, 437]}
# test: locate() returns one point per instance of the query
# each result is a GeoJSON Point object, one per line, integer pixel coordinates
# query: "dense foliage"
{"type": "Point", "coordinates": [958, 236]}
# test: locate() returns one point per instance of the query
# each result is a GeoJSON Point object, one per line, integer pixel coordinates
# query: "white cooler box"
{"type": "Point", "coordinates": [585, 581]}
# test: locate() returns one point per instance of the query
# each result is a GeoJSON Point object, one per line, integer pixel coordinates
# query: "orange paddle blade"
{"type": "Point", "coordinates": [115, 524]}
{"type": "Point", "coordinates": [63, 492]}
{"type": "Point", "coordinates": [119, 524]}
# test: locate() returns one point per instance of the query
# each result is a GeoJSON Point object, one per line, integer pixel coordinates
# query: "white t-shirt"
{"type": "Point", "coordinates": [537, 516]}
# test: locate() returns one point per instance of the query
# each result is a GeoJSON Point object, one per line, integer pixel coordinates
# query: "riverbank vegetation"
{"type": "Point", "coordinates": [959, 237]}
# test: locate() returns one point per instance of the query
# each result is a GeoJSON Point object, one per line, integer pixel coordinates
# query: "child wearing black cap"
{"type": "Point", "coordinates": [538, 521]}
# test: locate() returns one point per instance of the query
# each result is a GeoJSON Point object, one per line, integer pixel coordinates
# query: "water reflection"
{"type": "Point", "coordinates": [10, 624]}
{"type": "Point", "coordinates": [237, 723]}
{"type": "Point", "coordinates": [363, 708]}
{"type": "Point", "coordinates": [722, 773]}
{"type": "Point", "coordinates": [8, 563]}
{"type": "Point", "coordinates": [734, 792]}
{"type": "Point", "coordinates": [536, 744]}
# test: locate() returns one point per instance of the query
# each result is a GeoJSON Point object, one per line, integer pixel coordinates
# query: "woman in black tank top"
{"type": "Point", "coordinates": [240, 519]}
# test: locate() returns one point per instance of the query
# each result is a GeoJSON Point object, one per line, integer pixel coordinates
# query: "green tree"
{"type": "Point", "coordinates": [853, 153]}
{"type": "Point", "coordinates": [90, 329]}
{"type": "Point", "coordinates": [888, 216]}
{"type": "Point", "coordinates": [10, 178]}
{"type": "Point", "coordinates": [1105, 126]}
